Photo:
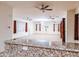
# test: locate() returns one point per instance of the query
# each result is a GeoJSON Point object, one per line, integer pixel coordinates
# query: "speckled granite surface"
{"type": "Point", "coordinates": [68, 47]}
{"type": "Point", "coordinates": [14, 48]}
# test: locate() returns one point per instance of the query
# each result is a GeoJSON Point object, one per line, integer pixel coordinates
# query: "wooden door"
{"type": "Point", "coordinates": [76, 27]}
{"type": "Point", "coordinates": [26, 27]}
{"type": "Point", "coordinates": [62, 30]}
{"type": "Point", "coordinates": [14, 27]}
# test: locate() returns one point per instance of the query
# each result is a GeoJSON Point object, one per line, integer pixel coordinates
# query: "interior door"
{"type": "Point", "coordinates": [62, 30]}
{"type": "Point", "coordinates": [25, 27]}
{"type": "Point", "coordinates": [14, 30]}
{"type": "Point", "coordinates": [76, 29]}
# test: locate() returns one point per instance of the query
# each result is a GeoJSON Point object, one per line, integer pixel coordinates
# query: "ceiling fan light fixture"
{"type": "Point", "coordinates": [44, 8]}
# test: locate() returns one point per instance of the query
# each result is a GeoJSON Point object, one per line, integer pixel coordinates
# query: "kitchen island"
{"type": "Point", "coordinates": [29, 48]}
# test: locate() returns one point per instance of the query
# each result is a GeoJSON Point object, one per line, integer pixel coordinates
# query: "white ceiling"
{"type": "Point", "coordinates": [61, 4]}
{"type": "Point", "coordinates": [27, 8]}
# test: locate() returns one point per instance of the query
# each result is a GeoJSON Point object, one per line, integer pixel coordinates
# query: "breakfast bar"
{"type": "Point", "coordinates": [28, 48]}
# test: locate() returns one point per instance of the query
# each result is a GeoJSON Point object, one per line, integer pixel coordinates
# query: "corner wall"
{"type": "Point", "coordinates": [5, 22]}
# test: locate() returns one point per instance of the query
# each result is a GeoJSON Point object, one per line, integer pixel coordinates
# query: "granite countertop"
{"type": "Point", "coordinates": [30, 43]}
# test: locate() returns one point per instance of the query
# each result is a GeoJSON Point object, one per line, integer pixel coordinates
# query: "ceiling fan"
{"type": "Point", "coordinates": [44, 8]}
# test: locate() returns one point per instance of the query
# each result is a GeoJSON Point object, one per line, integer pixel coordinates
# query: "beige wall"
{"type": "Point", "coordinates": [5, 21]}
{"type": "Point", "coordinates": [70, 25]}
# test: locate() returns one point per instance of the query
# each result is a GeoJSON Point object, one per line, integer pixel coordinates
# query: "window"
{"type": "Point", "coordinates": [36, 26]}
{"type": "Point", "coordinates": [58, 27]}
{"type": "Point", "coordinates": [53, 27]}
{"type": "Point", "coordinates": [39, 27]}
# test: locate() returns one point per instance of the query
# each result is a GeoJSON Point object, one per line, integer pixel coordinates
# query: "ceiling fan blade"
{"type": "Point", "coordinates": [38, 8]}
{"type": "Point", "coordinates": [46, 6]}
{"type": "Point", "coordinates": [49, 9]}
